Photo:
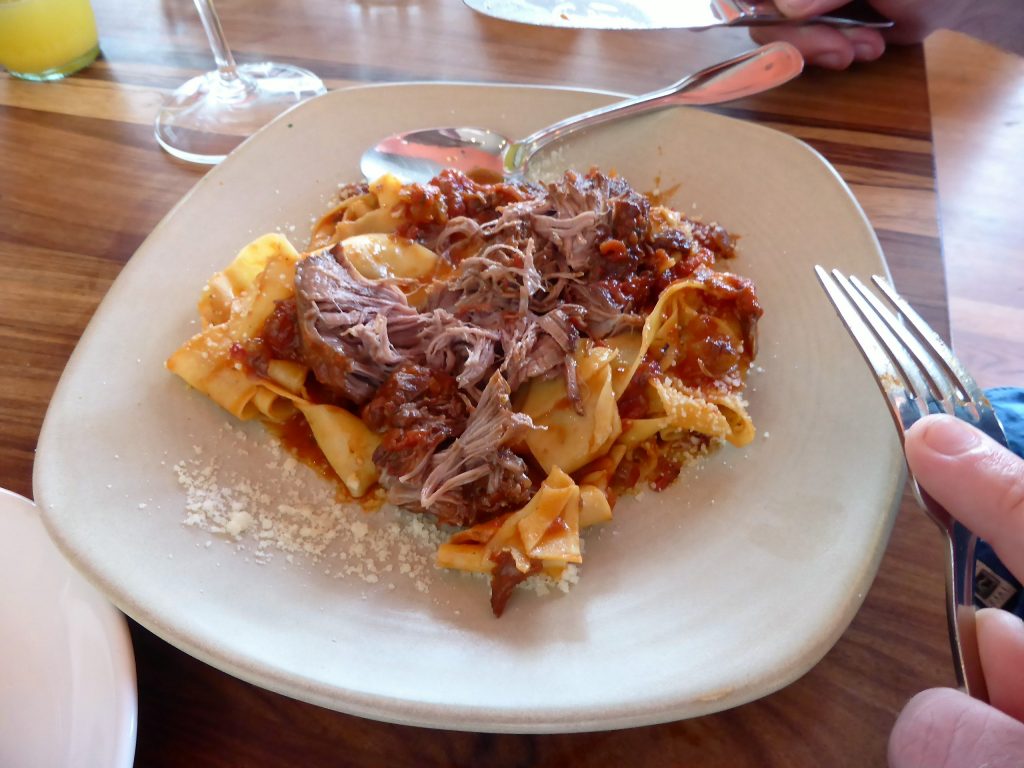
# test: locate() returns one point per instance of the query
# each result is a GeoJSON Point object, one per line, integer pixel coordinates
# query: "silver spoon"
{"type": "Point", "coordinates": [418, 156]}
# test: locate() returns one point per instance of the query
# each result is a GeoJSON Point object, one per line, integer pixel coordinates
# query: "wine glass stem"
{"type": "Point", "coordinates": [227, 72]}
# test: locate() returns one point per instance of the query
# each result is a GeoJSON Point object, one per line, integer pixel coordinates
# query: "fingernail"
{"type": "Point", "coordinates": [1011, 621]}
{"type": "Point", "coordinates": [830, 61]}
{"type": "Point", "coordinates": [864, 52]}
{"type": "Point", "coordinates": [950, 437]}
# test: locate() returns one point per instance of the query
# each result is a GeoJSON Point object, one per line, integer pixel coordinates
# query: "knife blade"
{"type": "Point", "coordinates": [664, 14]}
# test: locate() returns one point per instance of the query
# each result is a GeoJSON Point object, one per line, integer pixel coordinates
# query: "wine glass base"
{"type": "Point", "coordinates": [207, 117]}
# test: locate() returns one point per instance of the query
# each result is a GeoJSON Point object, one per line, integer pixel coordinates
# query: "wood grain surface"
{"type": "Point", "coordinates": [83, 183]}
{"type": "Point", "coordinates": [977, 97]}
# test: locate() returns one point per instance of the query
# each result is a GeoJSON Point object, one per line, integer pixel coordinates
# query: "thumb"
{"type": "Point", "coordinates": [943, 727]}
{"type": "Point", "coordinates": [978, 481]}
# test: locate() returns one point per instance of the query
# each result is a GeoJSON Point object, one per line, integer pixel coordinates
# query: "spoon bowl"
{"type": "Point", "coordinates": [418, 156]}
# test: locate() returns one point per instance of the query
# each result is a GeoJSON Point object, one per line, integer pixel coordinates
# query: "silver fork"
{"type": "Point", "coordinates": [919, 375]}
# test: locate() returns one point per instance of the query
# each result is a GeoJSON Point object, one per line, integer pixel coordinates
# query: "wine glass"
{"type": "Point", "coordinates": [211, 114]}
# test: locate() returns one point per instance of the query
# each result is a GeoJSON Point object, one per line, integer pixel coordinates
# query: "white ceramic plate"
{"type": "Point", "coordinates": [728, 586]}
{"type": "Point", "coordinates": [67, 674]}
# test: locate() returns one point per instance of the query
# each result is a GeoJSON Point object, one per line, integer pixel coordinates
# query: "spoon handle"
{"type": "Point", "coordinates": [747, 74]}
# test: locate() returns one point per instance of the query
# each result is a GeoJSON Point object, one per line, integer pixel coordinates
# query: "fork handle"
{"type": "Point", "coordinates": [961, 543]}
{"type": "Point", "coordinates": [756, 13]}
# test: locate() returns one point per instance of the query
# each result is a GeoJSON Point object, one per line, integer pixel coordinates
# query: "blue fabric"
{"type": "Point", "coordinates": [994, 585]}
{"type": "Point", "coordinates": [1008, 403]}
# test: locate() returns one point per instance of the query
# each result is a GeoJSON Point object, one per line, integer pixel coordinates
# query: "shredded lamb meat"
{"type": "Point", "coordinates": [416, 410]}
{"type": "Point", "coordinates": [355, 332]}
{"type": "Point", "coordinates": [533, 270]}
{"type": "Point", "coordinates": [347, 323]}
{"type": "Point", "coordinates": [477, 476]}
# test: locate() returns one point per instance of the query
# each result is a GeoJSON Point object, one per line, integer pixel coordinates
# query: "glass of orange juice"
{"type": "Point", "coordinates": [46, 39]}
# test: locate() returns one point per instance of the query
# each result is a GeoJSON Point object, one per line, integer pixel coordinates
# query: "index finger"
{"type": "Point", "coordinates": [978, 481]}
{"type": "Point", "coordinates": [825, 46]}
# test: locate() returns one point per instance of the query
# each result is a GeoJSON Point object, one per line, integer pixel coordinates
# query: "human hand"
{"type": "Point", "coordinates": [835, 48]}
{"type": "Point", "coordinates": [982, 485]}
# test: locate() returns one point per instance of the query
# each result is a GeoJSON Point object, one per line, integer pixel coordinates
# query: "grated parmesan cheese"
{"type": "Point", "coordinates": [294, 512]}
{"type": "Point", "coordinates": [291, 511]}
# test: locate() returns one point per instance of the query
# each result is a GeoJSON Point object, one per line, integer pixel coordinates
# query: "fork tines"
{"type": "Point", "coordinates": [913, 366]}
{"type": "Point", "coordinates": [918, 375]}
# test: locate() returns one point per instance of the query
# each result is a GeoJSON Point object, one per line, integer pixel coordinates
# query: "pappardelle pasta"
{"type": "Point", "coordinates": [508, 358]}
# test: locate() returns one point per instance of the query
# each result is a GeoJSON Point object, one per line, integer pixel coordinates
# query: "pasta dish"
{"type": "Point", "coordinates": [507, 358]}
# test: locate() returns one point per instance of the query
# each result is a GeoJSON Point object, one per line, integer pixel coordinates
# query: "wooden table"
{"type": "Point", "coordinates": [83, 182]}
